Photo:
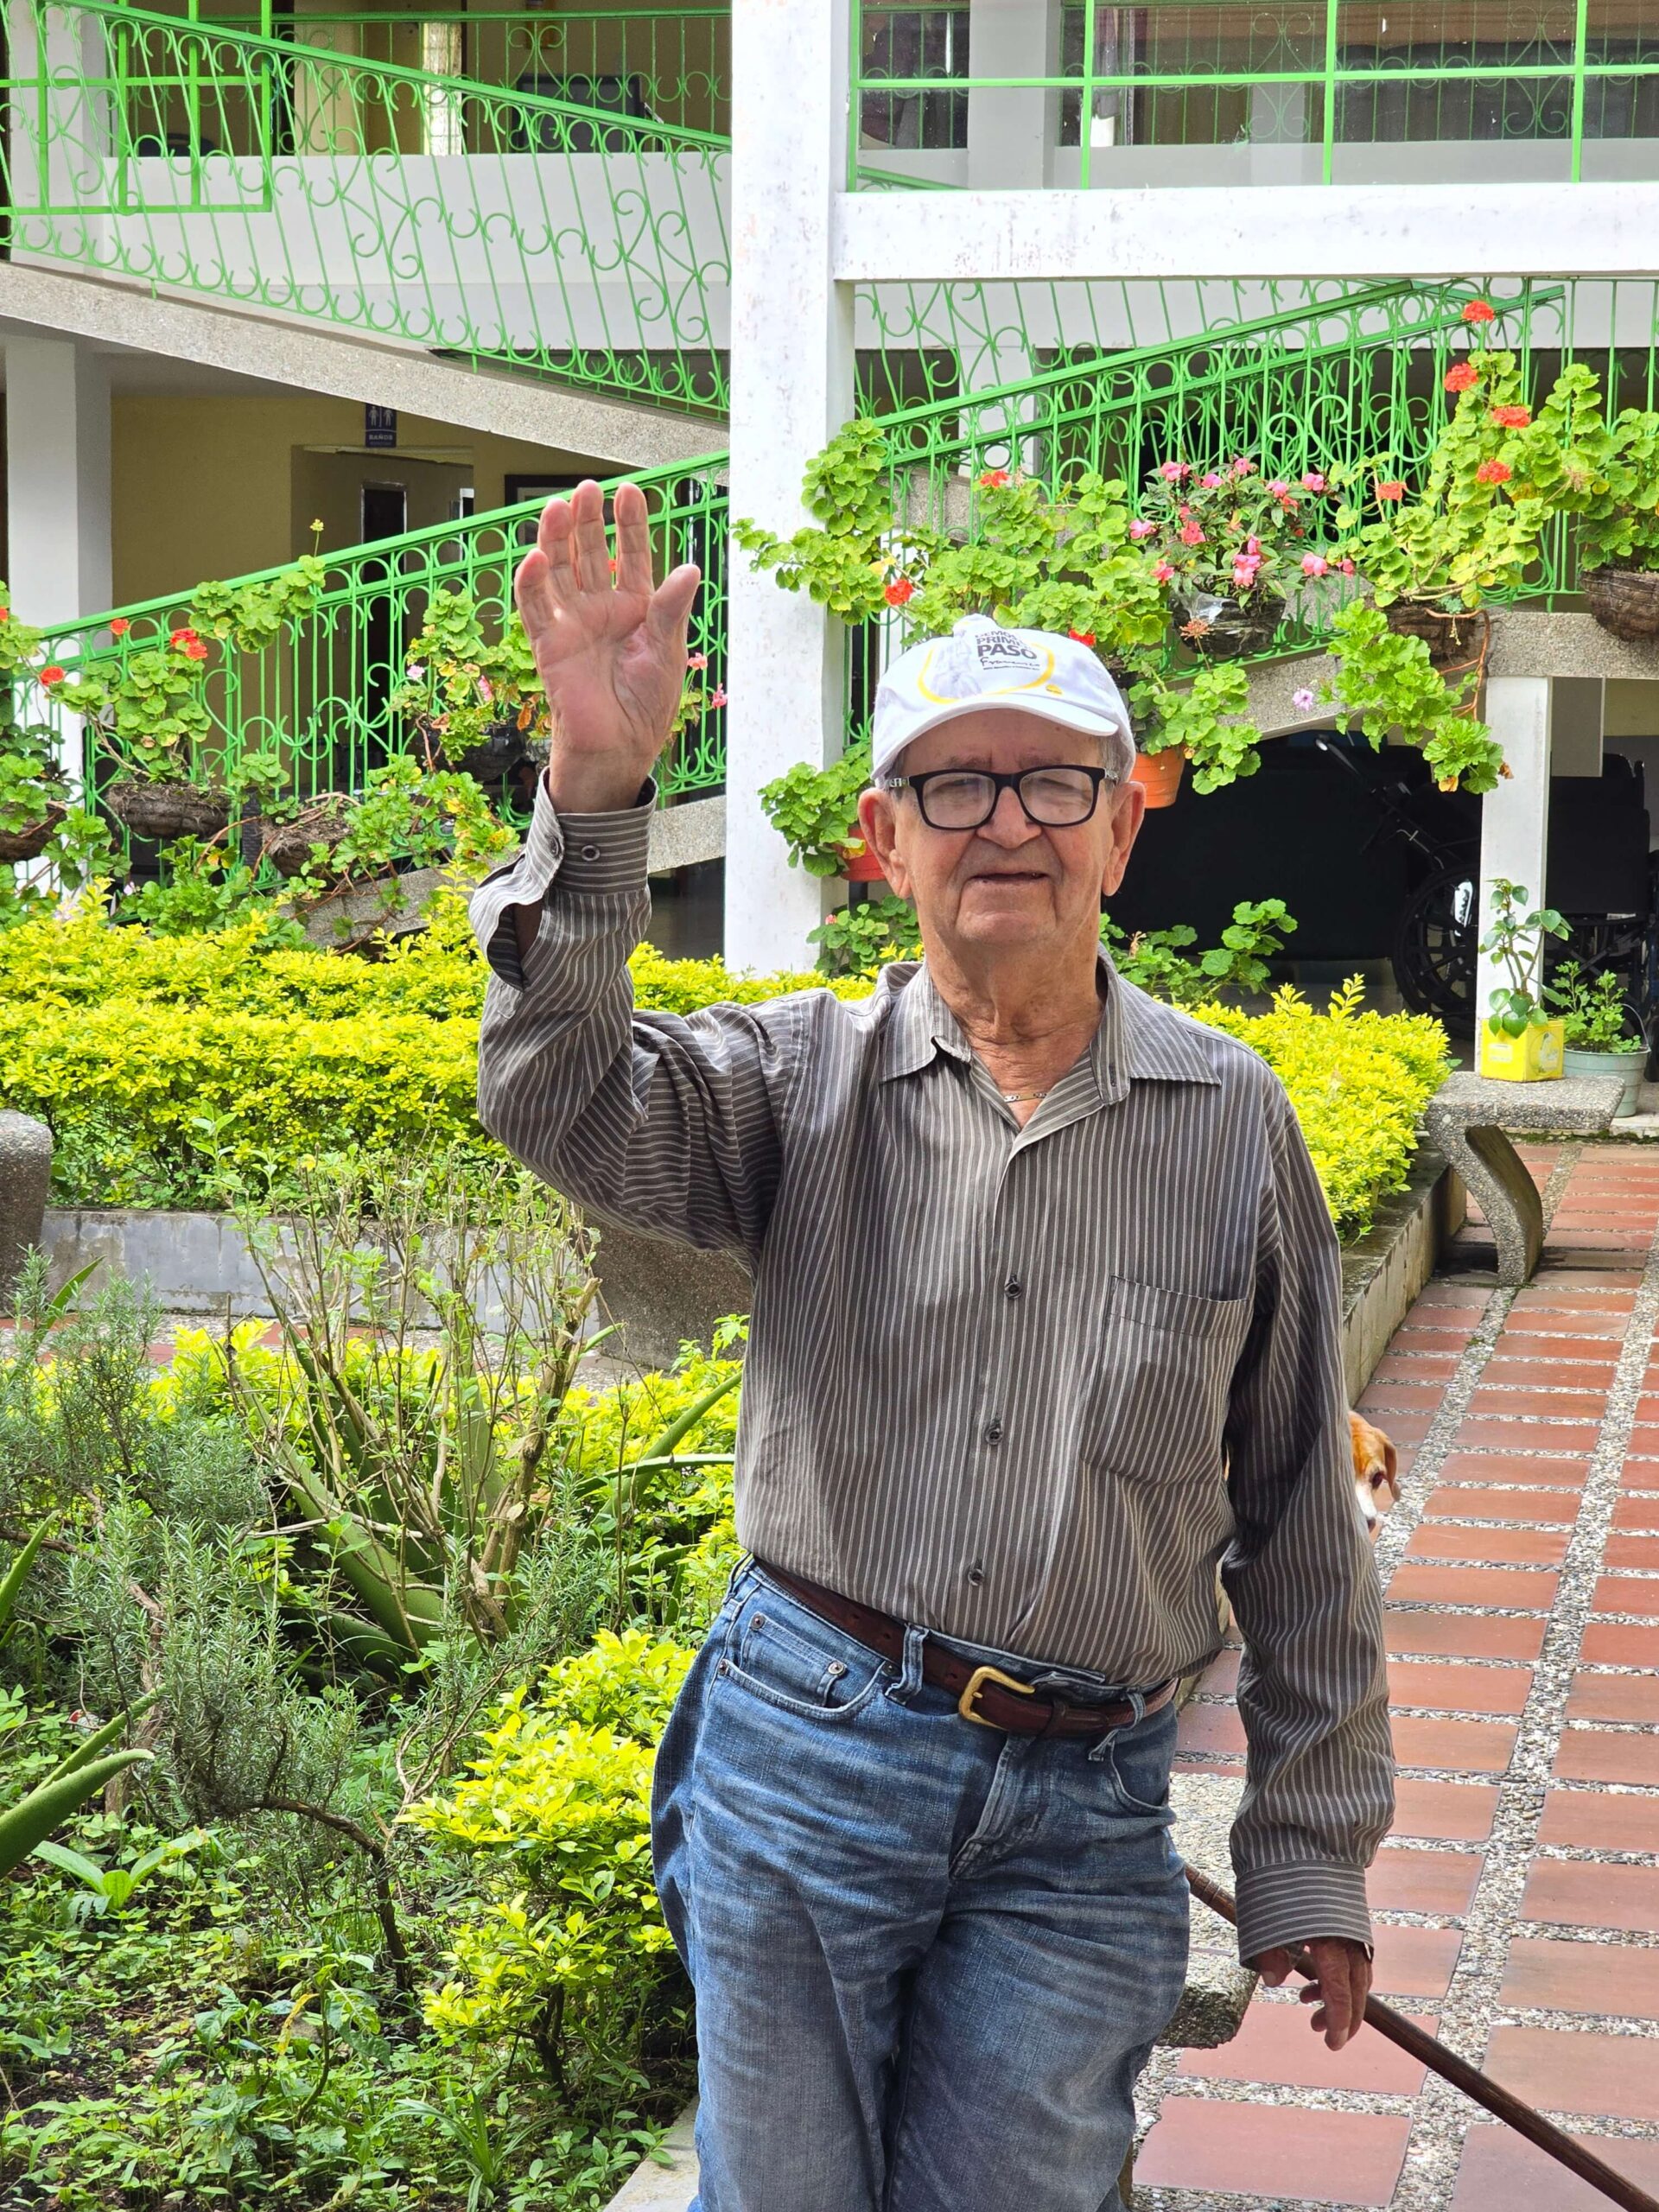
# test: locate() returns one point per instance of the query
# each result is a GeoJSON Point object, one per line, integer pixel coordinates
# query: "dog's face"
{"type": "Point", "coordinates": [1375, 1470]}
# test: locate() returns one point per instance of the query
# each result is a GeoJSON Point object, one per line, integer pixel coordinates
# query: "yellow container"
{"type": "Point", "coordinates": [1533, 1056]}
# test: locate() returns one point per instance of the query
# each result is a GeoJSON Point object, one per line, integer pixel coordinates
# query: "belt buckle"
{"type": "Point", "coordinates": [977, 1680]}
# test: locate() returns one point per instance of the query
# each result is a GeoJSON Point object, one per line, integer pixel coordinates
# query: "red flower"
{"type": "Point", "coordinates": [1493, 472]}
{"type": "Point", "coordinates": [195, 650]}
{"type": "Point", "coordinates": [994, 480]}
{"type": "Point", "coordinates": [5, 614]}
{"type": "Point", "coordinates": [183, 638]}
{"type": "Point", "coordinates": [1463, 377]}
{"type": "Point", "coordinates": [119, 625]}
{"type": "Point", "coordinates": [899, 591]}
{"type": "Point", "coordinates": [1511, 418]}
{"type": "Point", "coordinates": [1479, 311]}
{"type": "Point", "coordinates": [53, 675]}
{"type": "Point", "coordinates": [1082, 637]}
{"type": "Point", "coordinates": [1391, 490]}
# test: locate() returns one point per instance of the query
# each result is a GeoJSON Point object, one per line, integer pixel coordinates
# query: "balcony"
{"type": "Point", "coordinates": [1208, 92]}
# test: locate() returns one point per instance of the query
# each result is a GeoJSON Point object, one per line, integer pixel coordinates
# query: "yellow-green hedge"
{"type": "Point", "coordinates": [166, 1064]}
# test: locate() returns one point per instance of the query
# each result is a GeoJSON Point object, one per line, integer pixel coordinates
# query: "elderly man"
{"type": "Point", "coordinates": [1045, 1328]}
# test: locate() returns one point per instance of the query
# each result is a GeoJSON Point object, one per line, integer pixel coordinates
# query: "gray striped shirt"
{"type": "Point", "coordinates": [1027, 1387]}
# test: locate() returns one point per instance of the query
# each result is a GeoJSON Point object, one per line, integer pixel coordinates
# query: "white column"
{"type": "Point", "coordinates": [1514, 818]}
{"type": "Point", "coordinates": [792, 388]}
{"type": "Point", "coordinates": [1012, 134]}
{"type": "Point", "coordinates": [58, 493]}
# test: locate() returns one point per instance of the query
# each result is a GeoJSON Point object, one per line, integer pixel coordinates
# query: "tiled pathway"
{"type": "Point", "coordinates": [1518, 1897]}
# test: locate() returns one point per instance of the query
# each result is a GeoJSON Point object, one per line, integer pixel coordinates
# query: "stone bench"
{"type": "Point", "coordinates": [1469, 1119]}
{"type": "Point", "coordinates": [1211, 2010]}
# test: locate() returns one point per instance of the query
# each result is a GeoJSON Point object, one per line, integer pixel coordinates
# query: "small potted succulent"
{"type": "Point", "coordinates": [1519, 1040]}
{"type": "Point", "coordinates": [1598, 1027]}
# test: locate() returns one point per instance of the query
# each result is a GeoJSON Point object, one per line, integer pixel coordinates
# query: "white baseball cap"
{"type": "Point", "coordinates": [981, 664]}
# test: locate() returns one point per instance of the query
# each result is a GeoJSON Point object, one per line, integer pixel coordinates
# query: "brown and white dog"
{"type": "Point", "coordinates": [1376, 1477]}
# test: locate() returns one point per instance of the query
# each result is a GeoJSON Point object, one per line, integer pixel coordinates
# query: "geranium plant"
{"type": "Point", "coordinates": [816, 811]}
{"type": "Point", "coordinates": [460, 684]}
{"type": "Point", "coordinates": [1386, 685]}
{"type": "Point", "coordinates": [38, 821]}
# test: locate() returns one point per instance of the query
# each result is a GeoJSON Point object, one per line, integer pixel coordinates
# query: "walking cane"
{"type": "Point", "coordinates": [1461, 2074]}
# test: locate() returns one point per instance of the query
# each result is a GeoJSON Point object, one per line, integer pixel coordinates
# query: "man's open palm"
{"type": "Point", "coordinates": [609, 646]}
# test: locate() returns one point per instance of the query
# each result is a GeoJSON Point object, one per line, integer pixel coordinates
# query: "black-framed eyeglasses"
{"type": "Point", "coordinates": [1056, 798]}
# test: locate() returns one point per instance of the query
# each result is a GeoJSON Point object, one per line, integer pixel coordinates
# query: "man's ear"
{"type": "Point", "coordinates": [1128, 813]}
{"type": "Point", "coordinates": [877, 824]}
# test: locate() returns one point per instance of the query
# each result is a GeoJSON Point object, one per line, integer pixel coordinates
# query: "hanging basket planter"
{"type": "Point", "coordinates": [286, 845]}
{"type": "Point", "coordinates": [29, 844]}
{"type": "Point", "coordinates": [1455, 639]}
{"type": "Point", "coordinates": [162, 811]}
{"type": "Point", "coordinates": [1625, 601]}
{"type": "Point", "coordinates": [1159, 775]}
{"type": "Point", "coordinates": [1229, 629]}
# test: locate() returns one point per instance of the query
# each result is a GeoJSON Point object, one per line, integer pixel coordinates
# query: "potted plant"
{"type": "Point", "coordinates": [1615, 502]}
{"type": "Point", "coordinates": [815, 812]}
{"type": "Point", "coordinates": [474, 699]}
{"type": "Point", "coordinates": [1519, 1040]}
{"type": "Point", "coordinates": [407, 817]}
{"type": "Point", "coordinates": [1595, 1016]}
{"type": "Point", "coordinates": [1224, 542]}
{"type": "Point", "coordinates": [1386, 684]}
{"type": "Point", "coordinates": [1495, 476]}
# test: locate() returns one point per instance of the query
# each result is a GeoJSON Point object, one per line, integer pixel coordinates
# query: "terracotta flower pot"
{"type": "Point", "coordinates": [1454, 641]}
{"type": "Point", "coordinates": [1159, 775]}
{"type": "Point", "coordinates": [286, 845]}
{"type": "Point", "coordinates": [29, 844]}
{"type": "Point", "coordinates": [860, 867]}
{"type": "Point", "coordinates": [162, 812]}
{"type": "Point", "coordinates": [1624, 600]}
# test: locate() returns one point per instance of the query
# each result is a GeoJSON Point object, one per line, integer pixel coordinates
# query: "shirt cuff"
{"type": "Point", "coordinates": [589, 854]}
{"type": "Point", "coordinates": [1292, 1904]}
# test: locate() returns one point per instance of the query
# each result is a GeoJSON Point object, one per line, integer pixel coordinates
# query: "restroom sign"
{"type": "Point", "coordinates": [379, 426]}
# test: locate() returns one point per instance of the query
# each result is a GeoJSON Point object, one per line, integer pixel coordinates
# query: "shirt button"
{"type": "Point", "coordinates": [975, 1574]}
{"type": "Point", "coordinates": [1014, 1288]}
{"type": "Point", "coordinates": [993, 1431]}
{"type": "Point", "coordinates": [590, 852]}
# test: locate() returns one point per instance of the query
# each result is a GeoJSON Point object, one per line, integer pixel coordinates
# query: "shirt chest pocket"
{"type": "Point", "coordinates": [1159, 1401]}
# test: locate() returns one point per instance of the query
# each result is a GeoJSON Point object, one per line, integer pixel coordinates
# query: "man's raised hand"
{"type": "Point", "coordinates": [609, 648]}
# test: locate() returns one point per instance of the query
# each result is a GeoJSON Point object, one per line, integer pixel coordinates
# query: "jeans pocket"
{"type": "Point", "coordinates": [1139, 1759]}
{"type": "Point", "coordinates": [800, 1665]}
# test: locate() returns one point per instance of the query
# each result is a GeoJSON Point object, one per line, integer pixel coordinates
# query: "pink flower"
{"type": "Point", "coordinates": [1253, 545]}
{"type": "Point", "coordinates": [1209, 481]}
{"type": "Point", "coordinates": [1243, 467]}
{"type": "Point", "coordinates": [717, 696]}
{"type": "Point", "coordinates": [1347, 568]}
{"type": "Point", "coordinates": [696, 660]}
{"type": "Point", "coordinates": [1162, 573]}
{"type": "Point", "coordinates": [1243, 575]}
{"type": "Point", "coordinates": [1302, 700]}
{"type": "Point", "coordinates": [1174, 471]}
{"type": "Point", "coordinates": [1278, 485]}
{"type": "Point", "coordinates": [1314, 564]}
{"type": "Point", "coordinates": [486, 690]}
{"type": "Point", "coordinates": [1142, 529]}
{"type": "Point", "coordinates": [1190, 534]}
{"type": "Point", "coordinates": [1312, 482]}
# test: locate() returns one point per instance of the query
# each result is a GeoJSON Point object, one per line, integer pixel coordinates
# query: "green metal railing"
{"type": "Point", "coordinates": [320, 692]}
{"type": "Point", "coordinates": [671, 65]}
{"type": "Point", "coordinates": [1342, 80]}
{"type": "Point", "coordinates": [571, 240]}
{"type": "Point", "coordinates": [1345, 377]}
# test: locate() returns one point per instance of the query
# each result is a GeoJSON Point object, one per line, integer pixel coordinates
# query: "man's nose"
{"type": "Point", "coordinates": [1009, 824]}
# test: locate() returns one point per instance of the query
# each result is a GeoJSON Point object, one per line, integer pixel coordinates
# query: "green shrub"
{"type": "Point", "coordinates": [553, 1819]}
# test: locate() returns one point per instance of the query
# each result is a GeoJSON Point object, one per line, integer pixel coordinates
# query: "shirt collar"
{"type": "Point", "coordinates": [1138, 1039]}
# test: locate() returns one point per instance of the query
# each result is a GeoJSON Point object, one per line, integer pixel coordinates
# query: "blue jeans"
{"type": "Point", "coordinates": [929, 1960]}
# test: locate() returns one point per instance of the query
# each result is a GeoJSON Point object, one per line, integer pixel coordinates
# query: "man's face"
{"type": "Point", "coordinates": [1012, 881]}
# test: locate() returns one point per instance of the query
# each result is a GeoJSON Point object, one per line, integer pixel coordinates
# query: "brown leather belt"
{"type": "Point", "coordinates": [985, 1694]}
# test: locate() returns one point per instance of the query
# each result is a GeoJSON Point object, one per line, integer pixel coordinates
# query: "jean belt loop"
{"type": "Point", "coordinates": [1137, 1707]}
{"type": "Point", "coordinates": [910, 1678]}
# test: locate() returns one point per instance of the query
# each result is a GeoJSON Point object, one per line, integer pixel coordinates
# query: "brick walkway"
{"type": "Point", "coordinates": [1518, 1897]}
